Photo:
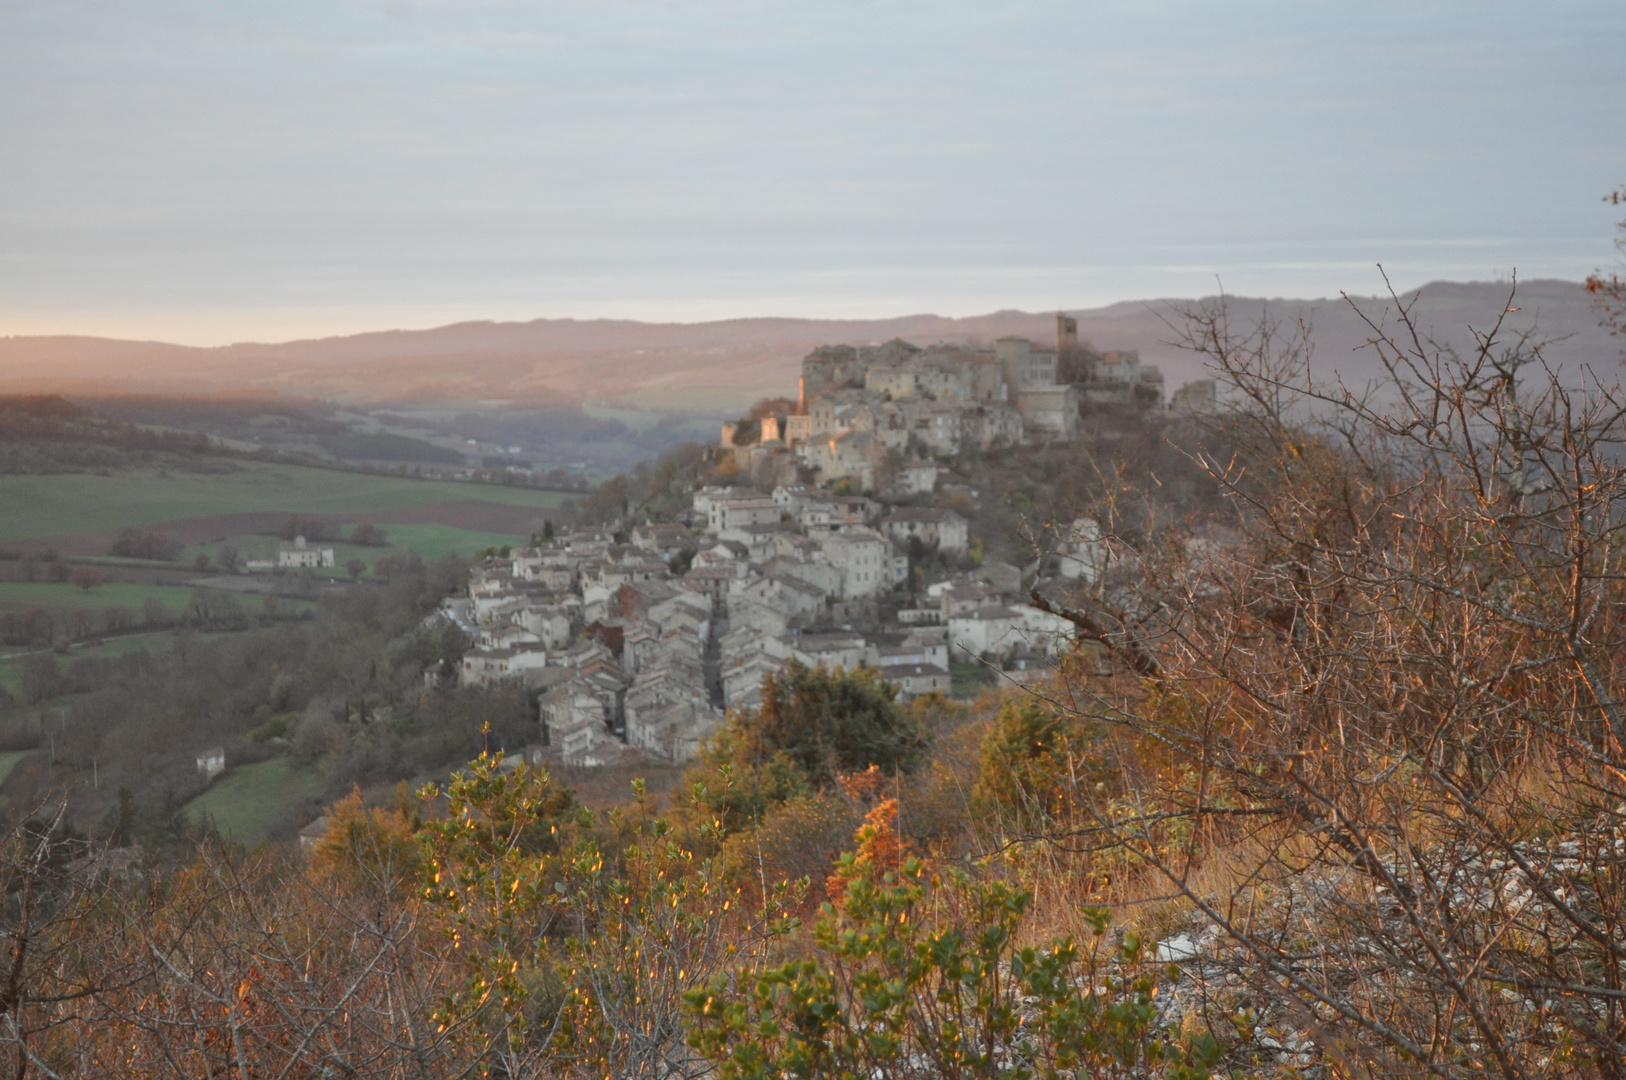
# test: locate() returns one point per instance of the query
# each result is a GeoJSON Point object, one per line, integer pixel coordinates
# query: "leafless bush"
{"type": "Point", "coordinates": [1376, 739]}
{"type": "Point", "coordinates": [259, 968]}
{"type": "Point", "coordinates": [54, 916]}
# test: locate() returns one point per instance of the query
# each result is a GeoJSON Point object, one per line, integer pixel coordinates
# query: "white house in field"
{"type": "Point", "coordinates": [212, 762]}
{"type": "Point", "coordinates": [300, 554]}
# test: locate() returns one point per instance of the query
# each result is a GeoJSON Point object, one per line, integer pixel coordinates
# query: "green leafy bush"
{"type": "Point", "coordinates": [812, 726]}
{"type": "Point", "coordinates": [1033, 764]}
{"type": "Point", "coordinates": [925, 977]}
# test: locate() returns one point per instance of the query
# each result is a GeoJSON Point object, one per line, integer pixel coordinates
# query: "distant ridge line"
{"type": "Point", "coordinates": [701, 366]}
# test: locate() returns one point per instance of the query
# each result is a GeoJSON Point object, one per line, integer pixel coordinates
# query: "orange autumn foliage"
{"type": "Point", "coordinates": [880, 849]}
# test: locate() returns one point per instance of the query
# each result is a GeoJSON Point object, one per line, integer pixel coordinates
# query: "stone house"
{"type": "Point", "coordinates": [985, 631]}
{"type": "Point", "coordinates": [1083, 552]}
{"type": "Point", "coordinates": [936, 426]}
{"type": "Point", "coordinates": [851, 455]}
{"type": "Point", "coordinates": [634, 599]}
{"type": "Point", "coordinates": [810, 571]}
{"type": "Point", "coordinates": [1198, 397]}
{"type": "Point", "coordinates": [795, 598]}
{"type": "Point", "coordinates": [573, 722]}
{"type": "Point", "coordinates": [553, 624]}
{"type": "Point", "coordinates": [664, 540]}
{"type": "Point", "coordinates": [864, 558]}
{"type": "Point", "coordinates": [912, 680]}
{"type": "Point", "coordinates": [299, 555]}
{"type": "Point", "coordinates": [952, 373]}
{"type": "Point", "coordinates": [853, 508]}
{"type": "Point", "coordinates": [1120, 378]}
{"type": "Point", "coordinates": [595, 601]}
{"type": "Point", "coordinates": [742, 679]}
{"type": "Point", "coordinates": [798, 429]}
{"type": "Point", "coordinates": [992, 424]}
{"type": "Point", "coordinates": [831, 367]}
{"type": "Point", "coordinates": [684, 608]}
{"type": "Point", "coordinates": [639, 642]}
{"type": "Point", "coordinates": [792, 497]}
{"type": "Point", "coordinates": [965, 596]}
{"type": "Point", "coordinates": [916, 648]}
{"type": "Point", "coordinates": [892, 380]}
{"type": "Point", "coordinates": [507, 637]}
{"type": "Point", "coordinates": [1026, 365]}
{"type": "Point", "coordinates": [713, 582]}
{"type": "Point", "coordinates": [832, 651]}
{"type": "Point", "coordinates": [1001, 631]}
{"type": "Point", "coordinates": [526, 561]}
{"type": "Point", "coordinates": [1049, 410]}
{"type": "Point", "coordinates": [919, 614]}
{"type": "Point", "coordinates": [672, 731]}
{"type": "Point", "coordinates": [761, 542]}
{"type": "Point", "coordinates": [735, 513]}
{"type": "Point", "coordinates": [313, 834]}
{"type": "Point", "coordinates": [722, 508]}
{"type": "Point", "coordinates": [212, 762]}
{"type": "Point", "coordinates": [937, 529]}
{"type": "Point", "coordinates": [552, 569]}
{"type": "Point", "coordinates": [1046, 405]}
{"type": "Point", "coordinates": [914, 478]}
{"type": "Point", "coordinates": [487, 667]}
{"type": "Point", "coordinates": [720, 553]}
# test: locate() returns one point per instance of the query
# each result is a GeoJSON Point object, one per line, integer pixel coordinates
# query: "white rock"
{"type": "Point", "coordinates": [1177, 949]}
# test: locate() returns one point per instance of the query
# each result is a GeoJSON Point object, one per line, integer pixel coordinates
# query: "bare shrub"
{"type": "Point", "coordinates": [1374, 740]}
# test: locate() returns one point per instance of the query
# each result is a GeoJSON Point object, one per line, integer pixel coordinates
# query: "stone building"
{"type": "Point", "coordinates": [937, 529]}
{"type": "Point", "coordinates": [300, 555]}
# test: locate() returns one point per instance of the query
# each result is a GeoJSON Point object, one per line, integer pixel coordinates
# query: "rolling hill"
{"type": "Point", "coordinates": [714, 366]}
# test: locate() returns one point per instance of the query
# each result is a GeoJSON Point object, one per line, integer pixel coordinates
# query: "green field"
{"type": "Point", "coordinates": [11, 677]}
{"type": "Point", "coordinates": [62, 596]}
{"type": "Point", "coordinates": [156, 641]}
{"type": "Point", "coordinates": [36, 506]}
{"type": "Point", "coordinates": [245, 802]}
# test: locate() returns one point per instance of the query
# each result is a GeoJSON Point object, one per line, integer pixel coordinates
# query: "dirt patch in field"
{"type": "Point", "coordinates": [201, 530]}
{"type": "Point", "coordinates": [472, 514]}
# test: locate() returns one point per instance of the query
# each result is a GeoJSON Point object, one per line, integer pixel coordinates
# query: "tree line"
{"type": "Point", "coordinates": [344, 681]}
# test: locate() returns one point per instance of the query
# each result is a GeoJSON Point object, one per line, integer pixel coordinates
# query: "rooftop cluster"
{"type": "Point", "coordinates": [852, 550]}
{"type": "Point", "coordinates": [879, 416]}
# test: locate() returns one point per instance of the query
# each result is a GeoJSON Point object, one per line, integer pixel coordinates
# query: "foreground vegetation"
{"type": "Point", "coordinates": [336, 690]}
{"type": "Point", "coordinates": [492, 926]}
{"type": "Point", "coordinates": [1332, 784]}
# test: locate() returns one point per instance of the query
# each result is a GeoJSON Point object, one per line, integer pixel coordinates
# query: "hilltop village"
{"type": "Point", "coordinates": [641, 636]}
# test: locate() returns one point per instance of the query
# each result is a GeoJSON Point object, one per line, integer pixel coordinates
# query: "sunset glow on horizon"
{"type": "Point", "coordinates": [206, 176]}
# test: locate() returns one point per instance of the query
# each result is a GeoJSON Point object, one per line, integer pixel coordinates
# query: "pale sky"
{"type": "Point", "coordinates": [208, 172]}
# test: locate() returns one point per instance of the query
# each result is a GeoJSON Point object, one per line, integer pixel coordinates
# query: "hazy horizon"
{"type": "Point", "coordinates": [728, 364]}
{"type": "Point", "coordinates": [362, 330]}
{"type": "Point", "coordinates": [290, 326]}
{"type": "Point", "coordinates": [206, 176]}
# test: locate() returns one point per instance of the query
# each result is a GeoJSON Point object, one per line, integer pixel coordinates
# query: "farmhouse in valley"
{"type": "Point", "coordinates": [300, 554]}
